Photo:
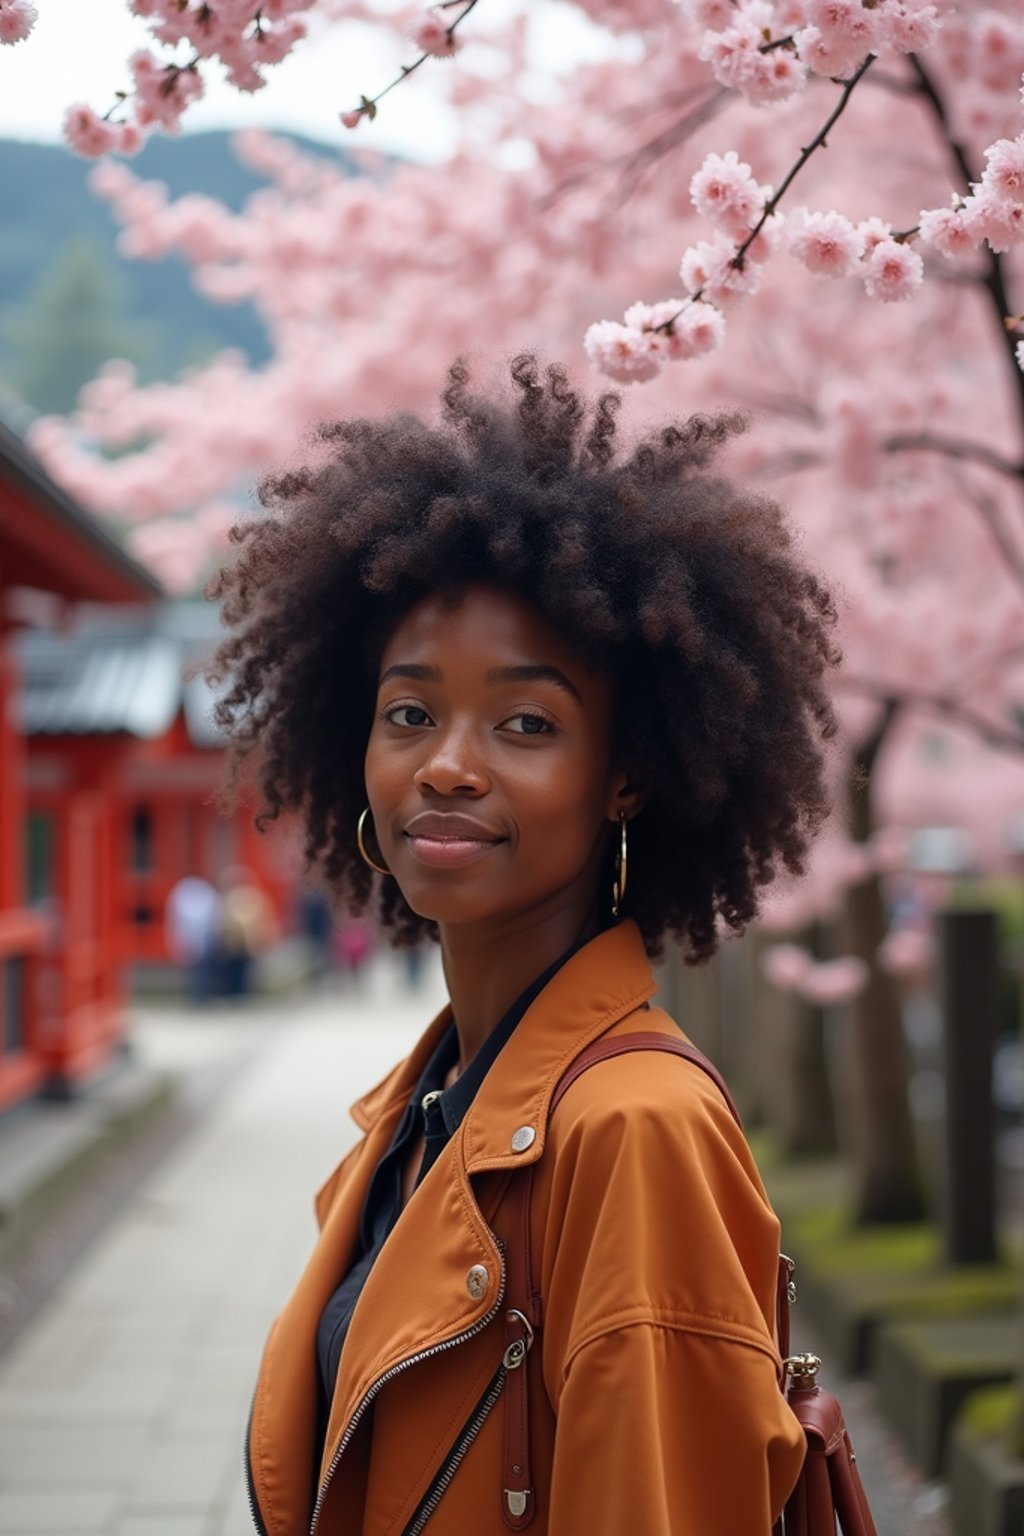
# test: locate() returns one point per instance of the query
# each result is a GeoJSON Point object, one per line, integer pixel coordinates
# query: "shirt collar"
{"type": "Point", "coordinates": [603, 980]}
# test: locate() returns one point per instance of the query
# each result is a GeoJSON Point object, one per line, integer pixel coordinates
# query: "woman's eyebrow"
{"type": "Point", "coordinates": [536, 673]}
{"type": "Point", "coordinates": [413, 671]}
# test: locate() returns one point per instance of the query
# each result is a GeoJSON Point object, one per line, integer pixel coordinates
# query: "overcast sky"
{"type": "Point", "coordinates": [79, 49]}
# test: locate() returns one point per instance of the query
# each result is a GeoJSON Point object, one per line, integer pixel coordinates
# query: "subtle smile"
{"type": "Point", "coordinates": [449, 852]}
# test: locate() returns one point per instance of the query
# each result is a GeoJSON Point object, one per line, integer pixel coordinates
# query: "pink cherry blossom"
{"type": "Point", "coordinates": [622, 352]}
{"type": "Point", "coordinates": [673, 331]}
{"type": "Point", "coordinates": [733, 54]}
{"type": "Point", "coordinates": [87, 134]}
{"type": "Point", "coordinates": [724, 191]}
{"type": "Point", "coordinates": [873, 231]}
{"type": "Point", "coordinates": [892, 271]}
{"type": "Point", "coordinates": [715, 15]}
{"type": "Point", "coordinates": [908, 952]}
{"type": "Point", "coordinates": [908, 27]}
{"type": "Point", "coordinates": [1004, 172]}
{"type": "Point", "coordinates": [17, 18]}
{"type": "Point", "coordinates": [785, 966]}
{"type": "Point", "coordinates": [836, 56]}
{"type": "Point", "coordinates": [995, 219]}
{"type": "Point", "coordinates": [699, 330]}
{"type": "Point", "coordinates": [842, 22]}
{"type": "Point", "coordinates": [130, 138]}
{"type": "Point", "coordinates": [432, 34]}
{"type": "Point", "coordinates": [947, 230]}
{"type": "Point", "coordinates": [162, 92]}
{"type": "Point", "coordinates": [707, 268]}
{"type": "Point", "coordinates": [774, 76]}
{"type": "Point", "coordinates": [351, 119]}
{"type": "Point", "coordinates": [1019, 354]}
{"type": "Point", "coordinates": [826, 243]}
{"type": "Point", "coordinates": [829, 983]}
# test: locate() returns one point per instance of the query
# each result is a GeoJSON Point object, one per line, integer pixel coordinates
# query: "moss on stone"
{"type": "Point", "coordinates": [996, 1413]}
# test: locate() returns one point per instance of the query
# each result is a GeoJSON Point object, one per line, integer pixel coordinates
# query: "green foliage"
{"type": "Point", "coordinates": [151, 311]}
{"type": "Point", "coordinates": [75, 319]}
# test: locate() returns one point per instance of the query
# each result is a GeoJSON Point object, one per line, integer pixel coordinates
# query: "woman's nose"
{"type": "Point", "coordinates": [454, 765]}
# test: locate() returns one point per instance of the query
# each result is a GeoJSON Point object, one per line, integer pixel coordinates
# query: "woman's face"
{"type": "Point", "coordinates": [488, 766]}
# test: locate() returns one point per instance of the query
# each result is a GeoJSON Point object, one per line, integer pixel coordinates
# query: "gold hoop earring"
{"type": "Point", "coordinates": [360, 824]}
{"type": "Point", "coordinates": [621, 867]}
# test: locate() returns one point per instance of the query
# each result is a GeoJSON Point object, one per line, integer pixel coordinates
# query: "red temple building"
{"type": "Point", "coordinates": [60, 1001]}
{"type": "Point", "coordinates": [109, 766]}
{"type": "Point", "coordinates": [112, 699]}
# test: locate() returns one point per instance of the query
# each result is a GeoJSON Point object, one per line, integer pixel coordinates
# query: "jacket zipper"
{"type": "Point", "coordinates": [254, 1508]}
{"type": "Point", "coordinates": [451, 1464]}
{"type": "Point", "coordinates": [396, 1370]}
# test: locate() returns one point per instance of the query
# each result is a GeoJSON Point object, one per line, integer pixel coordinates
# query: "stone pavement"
{"type": "Point", "coordinates": [123, 1406]}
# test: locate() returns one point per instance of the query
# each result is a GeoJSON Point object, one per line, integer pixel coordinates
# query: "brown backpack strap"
{"type": "Point", "coordinates": [525, 1310]}
{"type": "Point", "coordinates": [523, 1294]}
{"type": "Point", "coordinates": [521, 1282]}
{"type": "Point", "coordinates": [642, 1040]}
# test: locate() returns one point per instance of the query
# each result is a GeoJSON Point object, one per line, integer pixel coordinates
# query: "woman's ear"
{"type": "Point", "coordinates": [627, 796]}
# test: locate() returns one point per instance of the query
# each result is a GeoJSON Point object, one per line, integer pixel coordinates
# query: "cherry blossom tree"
{"type": "Point", "coordinates": [815, 208]}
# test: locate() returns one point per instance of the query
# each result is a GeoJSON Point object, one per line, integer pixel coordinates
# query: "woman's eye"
{"type": "Point", "coordinates": [406, 714]}
{"type": "Point", "coordinates": [527, 724]}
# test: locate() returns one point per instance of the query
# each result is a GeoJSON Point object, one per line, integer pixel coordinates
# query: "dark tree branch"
{"type": "Point", "coordinates": [954, 448]}
{"type": "Point", "coordinates": [994, 278]}
{"type": "Point", "coordinates": [946, 706]}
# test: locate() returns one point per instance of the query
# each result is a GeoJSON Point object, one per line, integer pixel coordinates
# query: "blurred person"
{"type": "Point", "coordinates": [576, 708]}
{"type": "Point", "coordinates": [246, 931]}
{"type": "Point", "coordinates": [353, 945]}
{"type": "Point", "coordinates": [316, 924]}
{"type": "Point", "coordinates": [192, 925]}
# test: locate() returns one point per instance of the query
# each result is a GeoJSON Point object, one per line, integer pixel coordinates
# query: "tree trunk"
{"type": "Point", "coordinates": [808, 1127]}
{"type": "Point", "coordinates": [887, 1175]}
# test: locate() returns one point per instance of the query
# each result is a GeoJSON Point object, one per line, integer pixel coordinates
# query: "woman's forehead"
{"type": "Point", "coordinates": [485, 625]}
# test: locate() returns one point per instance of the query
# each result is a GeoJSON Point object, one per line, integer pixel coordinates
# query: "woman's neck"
{"type": "Point", "coordinates": [487, 971]}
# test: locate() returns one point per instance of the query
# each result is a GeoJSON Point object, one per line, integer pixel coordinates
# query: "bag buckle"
{"type": "Point", "coordinates": [802, 1369]}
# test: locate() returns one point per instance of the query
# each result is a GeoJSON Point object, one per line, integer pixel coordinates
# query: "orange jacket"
{"type": "Point", "coordinates": [652, 1386]}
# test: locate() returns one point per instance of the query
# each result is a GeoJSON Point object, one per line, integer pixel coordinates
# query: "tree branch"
{"type": "Point", "coordinates": [946, 706]}
{"type": "Point", "coordinates": [994, 278]}
{"type": "Point", "coordinates": [820, 141]}
{"type": "Point", "coordinates": [368, 104]}
{"type": "Point", "coordinates": [954, 448]}
{"type": "Point", "coordinates": [631, 163]}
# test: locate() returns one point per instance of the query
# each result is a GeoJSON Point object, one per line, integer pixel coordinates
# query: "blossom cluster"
{"type": "Point", "coordinates": [767, 48]}
{"type": "Point", "coordinates": [17, 18]}
{"type": "Point", "coordinates": [749, 229]}
{"type": "Point", "coordinates": [244, 36]}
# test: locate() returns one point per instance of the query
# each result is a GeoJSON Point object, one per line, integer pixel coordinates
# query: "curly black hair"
{"type": "Point", "coordinates": [655, 567]}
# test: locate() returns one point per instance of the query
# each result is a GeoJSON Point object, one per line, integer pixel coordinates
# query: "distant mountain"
{"type": "Point", "coordinates": [46, 206]}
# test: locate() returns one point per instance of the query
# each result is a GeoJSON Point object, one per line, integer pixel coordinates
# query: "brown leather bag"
{"type": "Point", "coordinates": [829, 1496]}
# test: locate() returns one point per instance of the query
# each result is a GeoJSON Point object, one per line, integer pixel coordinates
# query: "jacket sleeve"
{"type": "Point", "coordinates": [659, 1266]}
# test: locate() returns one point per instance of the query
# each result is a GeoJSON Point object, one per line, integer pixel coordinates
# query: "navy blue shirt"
{"type": "Point", "coordinates": [435, 1112]}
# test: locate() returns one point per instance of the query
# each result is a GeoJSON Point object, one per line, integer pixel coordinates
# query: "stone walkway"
{"type": "Point", "coordinates": [123, 1406]}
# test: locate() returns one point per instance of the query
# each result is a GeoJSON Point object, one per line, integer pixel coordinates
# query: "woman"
{"type": "Point", "coordinates": [549, 709]}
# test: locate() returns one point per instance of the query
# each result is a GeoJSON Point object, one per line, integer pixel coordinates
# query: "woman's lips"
{"type": "Point", "coordinates": [449, 852]}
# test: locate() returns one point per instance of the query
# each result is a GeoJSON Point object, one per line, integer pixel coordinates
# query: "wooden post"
{"type": "Point", "coordinates": [968, 985]}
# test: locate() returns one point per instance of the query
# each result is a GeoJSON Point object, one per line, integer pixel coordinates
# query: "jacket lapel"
{"type": "Point", "coordinates": [602, 983]}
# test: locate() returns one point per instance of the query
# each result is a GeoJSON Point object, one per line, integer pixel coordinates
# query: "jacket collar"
{"type": "Point", "coordinates": [601, 983]}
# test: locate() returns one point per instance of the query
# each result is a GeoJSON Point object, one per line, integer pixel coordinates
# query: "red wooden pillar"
{"type": "Point", "coordinates": [21, 931]}
{"type": "Point", "coordinates": [12, 775]}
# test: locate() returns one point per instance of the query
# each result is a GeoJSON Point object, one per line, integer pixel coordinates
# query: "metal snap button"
{"type": "Point", "coordinates": [523, 1138]}
{"type": "Point", "coordinates": [477, 1281]}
